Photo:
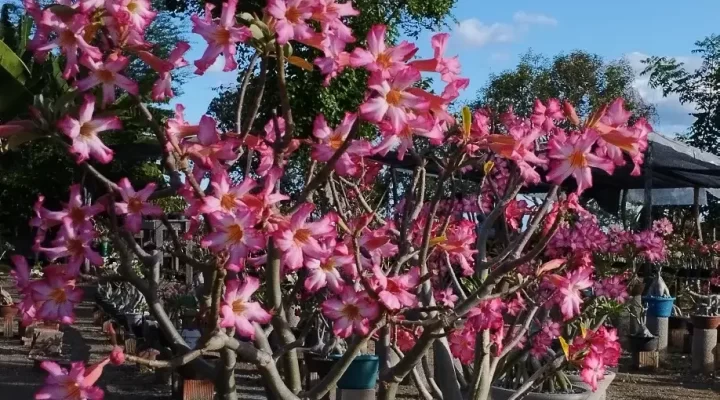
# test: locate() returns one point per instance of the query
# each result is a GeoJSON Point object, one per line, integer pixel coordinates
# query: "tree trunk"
{"type": "Point", "coordinates": [225, 383]}
{"type": "Point", "coordinates": [445, 370]}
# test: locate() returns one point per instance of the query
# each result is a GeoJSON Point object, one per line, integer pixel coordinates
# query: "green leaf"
{"type": "Point", "coordinates": [12, 64]}
{"type": "Point", "coordinates": [20, 138]}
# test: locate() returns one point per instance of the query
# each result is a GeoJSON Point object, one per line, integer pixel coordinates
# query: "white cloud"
{"type": "Point", "coordinates": [523, 18]}
{"type": "Point", "coordinates": [218, 65]}
{"type": "Point", "coordinates": [673, 117]}
{"type": "Point", "coordinates": [476, 33]}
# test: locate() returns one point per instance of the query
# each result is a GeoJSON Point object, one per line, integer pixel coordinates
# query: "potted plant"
{"type": "Point", "coordinates": [658, 299]}
{"type": "Point", "coordinates": [642, 340]}
{"type": "Point", "coordinates": [362, 373]}
{"type": "Point", "coordinates": [707, 312]}
{"type": "Point", "coordinates": [7, 305]}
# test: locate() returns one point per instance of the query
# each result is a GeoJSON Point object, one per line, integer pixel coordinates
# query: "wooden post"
{"type": "Point", "coordinates": [696, 213]}
{"type": "Point", "coordinates": [9, 326]}
{"type": "Point", "coordinates": [198, 390]}
{"type": "Point", "coordinates": [647, 206]}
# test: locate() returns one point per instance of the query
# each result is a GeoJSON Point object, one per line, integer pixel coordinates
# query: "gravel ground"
{"type": "Point", "coordinates": [85, 342]}
{"type": "Point", "coordinates": [673, 380]}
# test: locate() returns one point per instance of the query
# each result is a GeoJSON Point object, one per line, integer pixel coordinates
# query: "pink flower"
{"type": "Point", "coordinates": [162, 88]}
{"type": "Point", "coordinates": [650, 245]}
{"type": "Point", "coordinates": [331, 140]}
{"type": "Point", "coordinates": [544, 117]}
{"type": "Point", "coordinates": [379, 58]}
{"type": "Point", "coordinates": [593, 370]}
{"type": "Point", "coordinates": [541, 342]}
{"type": "Point", "coordinates": [262, 204]}
{"type": "Point", "coordinates": [462, 345]}
{"type": "Point", "coordinates": [221, 36]}
{"type": "Point", "coordinates": [351, 312]}
{"type": "Point", "coordinates": [75, 213]}
{"type": "Point", "coordinates": [224, 198]}
{"type": "Point", "coordinates": [56, 297]}
{"type": "Point", "coordinates": [406, 339]}
{"type": "Point", "coordinates": [135, 205]}
{"type": "Point", "coordinates": [568, 288]}
{"type": "Point", "coordinates": [617, 137]}
{"type": "Point", "coordinates": [107, 74]}
{"type": "Point", "coordinates": [76, 384]}
{"type": "Point", "coordinates": [613, 288]}
{"type": "Point", "coordinates": [299, 238]}
{"type": "Point", "coordinates": [516, 305]}
{"type": "Point", "coordinates": [290, 19]}
{"type": "Point", "coordinates": [325, 270]}
{"type": "Point", "coordinates": [446, 297]}
{"type": "Point", "coordinates": [401, 140]}
{"type": "Point", "coordinates": [237, 310]}
{"type": "Point", "coordinates": [75, 245]}
{"type": "Point", "coordinates": [662, 227]}
{"type": "Point", "coordinates": [392, 98]}
{"type": "Point", "coordinates": [235, 233]}
{"type": "Point", "coordinates": [21, 273]}
{"type": "Point", "coordinates": [572, 156]}
{"type": "Point", "coordinates": [84, 132]}
{"type": "Point", "coordinates": [458, 244]}
{"type": "Point", "coordinates": [514, 212]}
{"type": "Point", "coordinates": [449, 68]}
{"type": "Point", "coordinates": [394, 292]}
{"type": "Point", "coordinates": [70, 39]}
{"type": "Point", "coordinates": [487, 315]}
{"type": "Point", "coordinates": [136, 13]}
{"type": "Point", "coordinates": [117, 356]}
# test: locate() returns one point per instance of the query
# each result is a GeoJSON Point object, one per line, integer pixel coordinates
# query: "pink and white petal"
{"type": "Point", "coordinates": [374, 109]}
{"type": "Point", "coordinates": [227, 317]}
{"type": "Point", "coordinates": [248, 287]}
{"type": "Point", "coordinates": [254, 312]}
{"type": "Point", "coordinates": [244, 328]}
{"type": "Point", "coordinates": [69, 126]}
{"type": "Point", "coordinates": [133, 222]}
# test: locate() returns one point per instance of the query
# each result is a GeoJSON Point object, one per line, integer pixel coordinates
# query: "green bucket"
{"type": "Point", "coordinates": [361, 374]}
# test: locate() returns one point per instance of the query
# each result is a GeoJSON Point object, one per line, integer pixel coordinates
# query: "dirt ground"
{"type": "Point", "coordinates": [672, 381]}
{"type": "Point", "coordinates": [19, 379]}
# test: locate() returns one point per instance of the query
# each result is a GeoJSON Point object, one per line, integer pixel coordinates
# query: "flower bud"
{"type": "Point", "coordinates": [117, 357]}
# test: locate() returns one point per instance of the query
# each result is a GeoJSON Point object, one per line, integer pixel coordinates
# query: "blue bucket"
{"type": "Point", "coordinates": [659, 306]}
{"type": "Point", "coordinates": [361, 374]}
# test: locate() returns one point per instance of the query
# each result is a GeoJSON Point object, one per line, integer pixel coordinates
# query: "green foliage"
{"type": "Point", "coordinates": [693, 87]}
{"type": "Point", "coordinates": [584, 79]}
{"type": "Point", "coordinates": [698, 88]}
{"type": "Point", "coordinates": [44, 166]}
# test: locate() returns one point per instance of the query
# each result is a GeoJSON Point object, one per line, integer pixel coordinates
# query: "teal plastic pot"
{"type": "Point", "coordinates": [104, 248]}
{"type": "Point", "coordinates": [659, 306]}
{"type": "Point", "coordinates": [361, 374]}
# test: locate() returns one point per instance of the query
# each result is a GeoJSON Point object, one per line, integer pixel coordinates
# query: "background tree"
{"type": "Point", "coordinates": [45, 167]}
{"type": "Point", "coordinates": [584, 79]}
{"type": "Point", "coordinates": [699, 88]}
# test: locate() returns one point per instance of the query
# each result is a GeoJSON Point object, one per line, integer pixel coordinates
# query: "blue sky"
{"type": "Point", "coordinates": [490, 37]}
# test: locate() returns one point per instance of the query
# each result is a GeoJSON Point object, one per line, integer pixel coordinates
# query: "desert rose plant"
{"type": "Point", "coordinates": [449, 261]}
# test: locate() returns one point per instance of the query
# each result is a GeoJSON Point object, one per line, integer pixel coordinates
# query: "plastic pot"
{"type": "Point", "coordinates": [677, 323]}
{"type": "Point", "coordinates": [659, 306]}
{"type": "Point", "coordinates": [8, 311]}
{"type": "Point", "coordinates": [706, 321]}
{"type": "Point", "coordinates": [642, 343]}
{"type": "Point", "coordinates": [361, 374]}
{"type": "Point", "coordinates": [104, 248]}
{"type": "Point", "coordinates": [602, 384]}
{"type": "Point", "coordinates": [318, 364]}
{"type": "Point", "coordinates": [498, 393]}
